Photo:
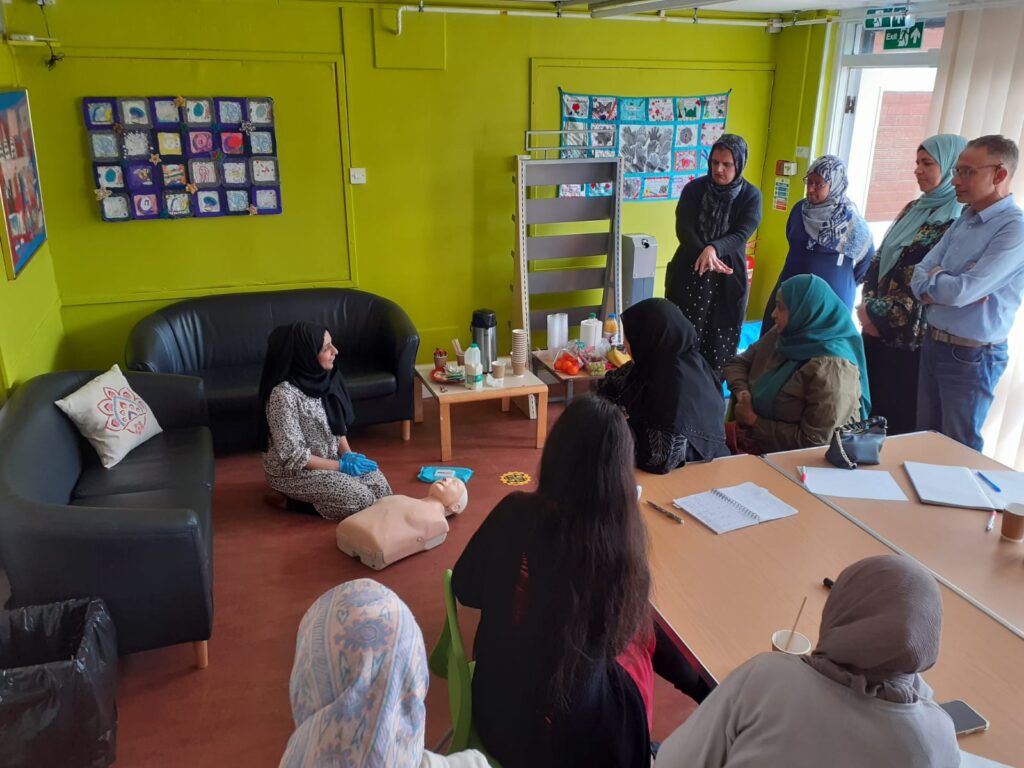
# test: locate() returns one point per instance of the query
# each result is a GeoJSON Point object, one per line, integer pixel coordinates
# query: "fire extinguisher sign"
{"type": "Point", "coordinates": [780, 198]}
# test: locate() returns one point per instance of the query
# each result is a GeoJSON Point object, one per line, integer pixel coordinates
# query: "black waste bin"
{"type": "Point", "coordinates": [58, 676]}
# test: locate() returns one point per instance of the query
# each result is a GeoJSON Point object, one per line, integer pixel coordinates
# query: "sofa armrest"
{"type": "Point", "coordinates": [149, 565]}
{"type": "Point", "coordinates": [177, 401]}
{"type": "Point", "coordinates": [400, 337]}
{"type": "Point", "coordinates": [151, 346]}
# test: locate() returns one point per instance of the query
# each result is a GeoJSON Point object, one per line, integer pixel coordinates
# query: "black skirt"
{"type": "Point", "coordinates": [892, 378]}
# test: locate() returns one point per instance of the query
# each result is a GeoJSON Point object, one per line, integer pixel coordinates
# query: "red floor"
{"type": "Point", "coordinates": [270, 565]}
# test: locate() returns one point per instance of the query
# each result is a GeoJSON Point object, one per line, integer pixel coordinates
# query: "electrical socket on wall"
{"type": "Point", "coordinates": [357, 175]}
{"type": "Point", "coordinates": [46, 2]}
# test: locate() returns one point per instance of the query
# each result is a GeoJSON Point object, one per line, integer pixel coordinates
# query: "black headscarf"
{"type": "Point", "coordinates": [672, 388]}
{"type": "Point", "coordinates": [292, 352]}
{"type": "Point", "coordinates": [716, 202]}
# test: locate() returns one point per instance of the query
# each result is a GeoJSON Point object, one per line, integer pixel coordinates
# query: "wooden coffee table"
{"type": "Point", "coordinates": [450, 394]}
{"type": "Point", "coordinates": [542, 358]}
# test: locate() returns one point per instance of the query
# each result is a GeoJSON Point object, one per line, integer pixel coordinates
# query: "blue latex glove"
{"type": "Point", "coordinates": [355, 464]}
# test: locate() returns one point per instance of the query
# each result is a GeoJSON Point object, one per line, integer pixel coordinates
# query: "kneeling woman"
{"type": "Point", "coordinates": [307, 410]}
{"type": "Point", "coordinates": [802, 379]}
{"type": "Point", "coordinates": [669, 393]}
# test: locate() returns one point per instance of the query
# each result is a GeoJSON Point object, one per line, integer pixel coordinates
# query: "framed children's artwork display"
{"type": "Point", "coordinates": [176, 157]}
{"type": "Point", "coordinates": [21, 198]}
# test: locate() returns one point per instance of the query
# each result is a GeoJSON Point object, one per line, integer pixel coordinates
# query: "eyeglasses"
{"type": "Point", "coordinates": [969, 172]}
{"type": "Point", "coordinates": [815, 184]}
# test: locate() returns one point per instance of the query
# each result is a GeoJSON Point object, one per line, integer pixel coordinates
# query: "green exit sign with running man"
{"type": "Point", "coordinates": [888, 17]}
{"type": "Point", "coordinates": [904, 39]}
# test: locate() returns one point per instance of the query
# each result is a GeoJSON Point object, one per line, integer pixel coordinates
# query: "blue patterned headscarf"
{"type": "Point", "coordinates": [359, 682]}
{"type": "Point", "coordinates": [835, 223]}
{"type": "Point", "coordinates": [935, 207]}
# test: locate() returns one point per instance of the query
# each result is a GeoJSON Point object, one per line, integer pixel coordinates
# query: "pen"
{"type": "Point", "coordinates": [995, 487]}
{"type": "Point", "coordinates": [666, 512]}
{"type": "Point", "coordinates": [991, 520]}
{"type": "Point", "coordinates": [803, 474]}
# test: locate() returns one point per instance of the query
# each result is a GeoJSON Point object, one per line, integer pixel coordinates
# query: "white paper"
{"type": "Point", "coordinates": [854, 484]}
{"type": "Point", "coordinates": [728, 509]}
{"type": "Point", "coordinates": [1011, 487]}
{"type": "Point", "coordinates": [948, 486]}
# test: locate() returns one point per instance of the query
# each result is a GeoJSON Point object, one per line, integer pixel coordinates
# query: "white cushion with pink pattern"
{"type": "Point", "coordinates": [111, 416]}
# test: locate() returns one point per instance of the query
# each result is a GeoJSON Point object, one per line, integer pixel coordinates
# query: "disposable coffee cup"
{"type": "Point", "coordinates": [461, 358]}
{"type": "Point", "coordinates": [799, 646]}
{"type": "Point", "coordinates": [518, 368]}
{"type": "Point", "coordinates": [498, 370]}
{"type": "Point", "coordinates": [1013, 523]}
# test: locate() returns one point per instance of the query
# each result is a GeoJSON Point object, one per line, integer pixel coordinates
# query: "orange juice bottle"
{"type": "Point", "coordinates": [611, 329]}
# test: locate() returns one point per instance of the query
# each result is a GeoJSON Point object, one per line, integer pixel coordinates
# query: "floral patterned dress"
{"type": "Point", "coordinates": [893, 357]}
{"type": "Point", "coordinates": [299, 429]}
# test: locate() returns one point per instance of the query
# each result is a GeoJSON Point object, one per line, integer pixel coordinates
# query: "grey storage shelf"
{"type": "Point", "coordinates": [536, 205]}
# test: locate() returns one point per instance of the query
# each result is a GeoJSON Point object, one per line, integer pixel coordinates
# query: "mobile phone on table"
{"type": "Point", "coordinates": [965, 718]}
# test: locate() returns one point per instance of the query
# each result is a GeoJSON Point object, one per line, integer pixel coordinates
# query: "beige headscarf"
{"type": "Point", "coordinates": [880, 627]}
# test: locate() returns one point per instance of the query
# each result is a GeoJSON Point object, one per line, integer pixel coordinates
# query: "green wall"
{"type": "Point", "coordinates": [435, 115]}
{"type": "Point", "coordinates": [31, 331]}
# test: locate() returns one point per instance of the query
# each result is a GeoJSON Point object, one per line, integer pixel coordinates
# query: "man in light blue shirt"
{"type": "Point", "coordinates": [972, 282]}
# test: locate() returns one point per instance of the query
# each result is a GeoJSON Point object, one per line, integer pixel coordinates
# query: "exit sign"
{"type": "Point", "coordinates": [904, 39]}
{"type": "Point", "coordinates": [889, 17]}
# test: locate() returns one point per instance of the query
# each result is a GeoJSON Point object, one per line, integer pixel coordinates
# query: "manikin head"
{"type": "Point", "coordinates": [451, 492]}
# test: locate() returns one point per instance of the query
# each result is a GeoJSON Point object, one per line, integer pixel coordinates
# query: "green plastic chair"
{"type": "Point", "coordinates": [448, 661]}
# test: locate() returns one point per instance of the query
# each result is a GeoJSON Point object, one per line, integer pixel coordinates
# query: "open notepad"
{"type": "Point", "coordinates": [726, 509]}
{"type": "Point", "coordinates": [961, 487]}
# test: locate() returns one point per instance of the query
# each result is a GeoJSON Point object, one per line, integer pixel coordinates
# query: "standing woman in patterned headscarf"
{"type": "Point", "coordinates": [707, 278]}
{"type": "Point", "coordinates": [891, 316]}
{"type": "Point", "coordinates": [827, 236]}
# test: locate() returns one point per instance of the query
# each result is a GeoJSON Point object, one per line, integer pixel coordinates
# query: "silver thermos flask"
{"type": "Point", "coordinates": [484, 330]}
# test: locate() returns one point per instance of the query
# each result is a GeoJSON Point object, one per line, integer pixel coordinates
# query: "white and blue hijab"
{"type": "Point", "coordinates": [835, 223]}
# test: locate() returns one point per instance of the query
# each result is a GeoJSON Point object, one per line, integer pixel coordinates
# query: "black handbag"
{"type": "Point", "coordinates": [857, 443]}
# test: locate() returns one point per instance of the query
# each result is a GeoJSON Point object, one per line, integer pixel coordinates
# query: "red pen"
{"type": "Point", "coordinates": [803, 474]}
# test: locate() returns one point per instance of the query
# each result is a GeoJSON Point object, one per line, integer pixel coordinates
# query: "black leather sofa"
{"type": "Point", "coordinates": [137, 535]}
{"type": "Point", "coordinates": [223, 340]}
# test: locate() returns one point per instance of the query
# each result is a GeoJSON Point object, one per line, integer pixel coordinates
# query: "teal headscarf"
{"type": "Point", "coordinates": [819, 326]}
{"type": "Point", "coordinates": [938, 206]}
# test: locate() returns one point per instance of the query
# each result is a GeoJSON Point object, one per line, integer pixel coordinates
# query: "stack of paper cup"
{"type": "Point", "coordinates": [558, 332]}
{"type": "Point", "coordinates": [520, 351]}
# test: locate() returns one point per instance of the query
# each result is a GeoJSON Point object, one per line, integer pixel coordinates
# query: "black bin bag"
{"type": "Point", "coordinates": [58, 678]}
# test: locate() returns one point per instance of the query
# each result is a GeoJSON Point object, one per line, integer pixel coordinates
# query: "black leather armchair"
{"type": "Point", "coordinates": [223, 340]}
{"type": "Point", "coordinates": [137, 535]}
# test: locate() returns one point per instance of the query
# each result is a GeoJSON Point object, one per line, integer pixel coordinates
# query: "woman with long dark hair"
{"type": "Point", "coordinates": [564, 673]}
{"type": "Point", "coordinates": [303, 434]}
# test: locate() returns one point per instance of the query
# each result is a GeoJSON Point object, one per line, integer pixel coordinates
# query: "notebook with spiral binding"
{"type": "Point", "coordinates": [738, 506]}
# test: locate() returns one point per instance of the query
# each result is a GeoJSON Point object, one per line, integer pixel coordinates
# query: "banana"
{"type": "Point", "coordinates": [617, 357]}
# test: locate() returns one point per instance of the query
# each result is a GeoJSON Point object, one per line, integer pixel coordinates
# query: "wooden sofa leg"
{"type": "Point", "coordinates": [406, 429]}
{"type": "Point", "coordinates": [202, 653]}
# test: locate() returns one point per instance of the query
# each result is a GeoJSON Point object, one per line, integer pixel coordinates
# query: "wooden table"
{"type": "Point", "coordinates": [723, 596]}
{"type": "Point", "coordinates": [951, 541]}
{"type": "Point", "coordinates": [542, 358]}
{"type": "Point", "coordinates": [450, 394]}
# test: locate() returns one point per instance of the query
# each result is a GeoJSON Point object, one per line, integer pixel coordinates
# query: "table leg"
{"type": "Point", "coordinates": [568, 391]}
{"type": "Point", "coordinates": [542, 418]}
{"type": "Point", "coordinates": [417, 401]}
{"type": "Point", "coordinates": [445, 421]}
{"type": "Point", "coordinates": [506, 404]}
{"type": "Point", "coordinates": [406, 430]}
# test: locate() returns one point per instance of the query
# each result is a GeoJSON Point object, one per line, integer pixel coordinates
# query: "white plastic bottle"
{"type": "Point", "coordinates": [474, 368]}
